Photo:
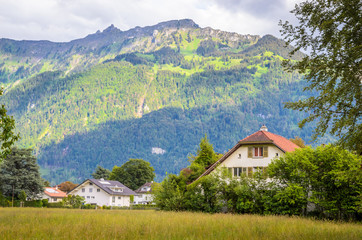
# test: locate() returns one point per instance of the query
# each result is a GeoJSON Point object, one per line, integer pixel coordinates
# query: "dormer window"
{"type": "Point", "coordinates": [257, 152]}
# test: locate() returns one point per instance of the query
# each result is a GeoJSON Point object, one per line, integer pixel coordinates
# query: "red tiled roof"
{"type": "Point", "coordinates": [263, 136]}
{"type": "Point", "coordinates": [54, 192]}
{"type": "Point", "coordinates": [259, 137]}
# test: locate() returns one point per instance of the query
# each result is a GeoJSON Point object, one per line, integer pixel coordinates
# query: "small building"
{"type": "Point", "coordinates": [253, 153]}
{"type": "Point", "coordinates": [53, 194]}
{"type": "Point", "coordinates": [144, 194]}
{"type": "Point", "coordinates": [104, 193]}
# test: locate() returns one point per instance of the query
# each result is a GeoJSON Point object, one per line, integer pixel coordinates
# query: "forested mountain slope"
{"type": "Point", "coordinates": [148, 93]}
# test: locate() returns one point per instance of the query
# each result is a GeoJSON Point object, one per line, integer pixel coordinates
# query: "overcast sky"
{"type": "Point", "coordinates": [65, 20]}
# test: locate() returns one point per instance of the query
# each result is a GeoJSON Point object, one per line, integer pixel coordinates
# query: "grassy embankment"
{"type": "Point", "coordinates": [28, 223]}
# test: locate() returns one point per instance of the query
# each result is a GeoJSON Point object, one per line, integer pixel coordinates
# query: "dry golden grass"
{"type": "Point", "coordinates": [32, 223]}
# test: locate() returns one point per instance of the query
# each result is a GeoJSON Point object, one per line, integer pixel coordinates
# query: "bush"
{"type": "Point", "coordinates": [89, 206]}
{"type": "Point", "coordinates": [55, 205]}
{"type": "Point", "coordinates": [33, 203]}
{"type": "Point", "coordinates": [45, 202]}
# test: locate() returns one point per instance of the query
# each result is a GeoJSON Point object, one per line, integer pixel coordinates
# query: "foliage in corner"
{"type": "Point", "coordinates": [331, 31]}
{"type": "Point", "coordinates": [7, 135]}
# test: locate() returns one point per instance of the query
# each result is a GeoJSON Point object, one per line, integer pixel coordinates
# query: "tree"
{"type": "Point", "coordinates": [101, 172]}
{"type": "Point", "coordinates": [22, 197]}
{"type": "Point", "coordinates": [169, 195]}
{"type": "Point", "coordinates": [331, 31]}
{"type": "Point", "coordinates": [67, 186]}
{"type": "Point", "coordinates": [298, 141]}
{"type": "Point", "coordinates": [330, 176]}
{"type": "Point", "coordinates": [7, 135]}
{"type": "Point", "coordinates": [19, 171]}
{"type": "Point", "coordinates": [205, 157]}
{"type": "Point", "coordinates": [73, 201]}
{"type": "Point", "coordinates": [134, 173]}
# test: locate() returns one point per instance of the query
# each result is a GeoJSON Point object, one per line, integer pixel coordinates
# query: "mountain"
{"type": "Point", "coordinates": [150, 93]}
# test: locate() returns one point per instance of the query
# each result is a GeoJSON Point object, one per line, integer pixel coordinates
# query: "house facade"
{"type": "Point", "coordinates": [104, 193]}
{"type": "Point", "coordinates": [253, 154]}
{"type": "Point", "coordinates": [144, 194]}
{"type": "Point", "coordinates": [53, 194]}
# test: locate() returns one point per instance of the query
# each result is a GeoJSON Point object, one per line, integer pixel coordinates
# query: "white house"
{"type": "Point", "coordinates": [144, 194]}
{"type": "Point", "coordinates": [53, 194]}
{"type": "Point", "coordinates": [104, 192]}
{"type": "Point", "coordinates": [253, 153]}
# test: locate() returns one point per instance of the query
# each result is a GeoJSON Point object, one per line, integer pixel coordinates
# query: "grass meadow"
{"type": "Point", "coordinates": [36, 223]}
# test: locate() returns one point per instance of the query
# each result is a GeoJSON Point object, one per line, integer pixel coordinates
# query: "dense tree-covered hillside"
{"type": "Point", "coordinates": [153, 97]}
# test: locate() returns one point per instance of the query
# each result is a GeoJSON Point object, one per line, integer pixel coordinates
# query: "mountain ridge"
{"type": "Point", "coordinates": [164, 89]}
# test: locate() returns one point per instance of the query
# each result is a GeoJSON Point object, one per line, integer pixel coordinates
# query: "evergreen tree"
{"type": "Point", "coordinates": [205, 157]}
{"type": "Point", "coordinates": [20, 172]}
{"type": "Point", "coordinates": [101, 172]}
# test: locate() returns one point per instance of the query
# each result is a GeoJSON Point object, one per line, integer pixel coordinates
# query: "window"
{"type": "Point", "coordinates": [239, 156]}
{"type": "Point", "coordinates": [238, 172]}
{"type": "Point", "coordinates": [258, 152]}
{"type": "Point", "coordinates": [91, 184]}
{"type": "Point", "coordinates": [113, 199]}
{"type": "Point", "coordinates": [83, 189]}
{"type": "Point", "coordinates": [93, 197]}
{"type": "Point", "coordinates": [262, 170]}
{"type": "Point", "coordinates": [119, 197]}
{"type": "Point", "coordinates": [98, 190]}
{"type": "Point", "coordinates": [88, 196]}
{"type": "Point", "coordinates": [277, 154]}
{"type": "Point", "coordinates": [230, 170]}
{"type": "Point", "coordinates": [54, 199]}
{"type": "Point", "coordinates": [90, 189]}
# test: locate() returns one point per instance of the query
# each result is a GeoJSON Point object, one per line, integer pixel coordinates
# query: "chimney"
{"type": "Point", "coordinates": [264, 128]}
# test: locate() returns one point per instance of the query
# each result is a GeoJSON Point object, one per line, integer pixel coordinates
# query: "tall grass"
{"type": "Point", "coordinates": [31, 223]}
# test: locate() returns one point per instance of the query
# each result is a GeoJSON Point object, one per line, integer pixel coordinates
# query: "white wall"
{"type": "Point", "coordinates": [100, 198]}
{"type": "Point", "coordinates": [51, 199]}
{"type": "Point", "coordinates": [234, 160]}
{"type": "Point", "coordinates": [142, 198]}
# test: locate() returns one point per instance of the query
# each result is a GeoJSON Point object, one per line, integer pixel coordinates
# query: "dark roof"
{"type": "Point", "coordinates": [106, 185]}
{"type": "Point", "coordinates": [259, 137]}
{"type": "Point", "coordinates": [147, 184]}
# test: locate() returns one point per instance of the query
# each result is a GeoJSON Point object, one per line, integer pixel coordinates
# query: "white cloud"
{"type": "Point", "coordinates": [65, 20]}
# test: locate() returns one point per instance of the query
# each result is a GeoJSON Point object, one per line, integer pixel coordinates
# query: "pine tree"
{"type": "Point", "coordinates": [20, 172]}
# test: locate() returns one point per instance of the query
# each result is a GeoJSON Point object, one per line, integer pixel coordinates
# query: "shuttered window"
{"type": "Point", "coordinates": [259, 151]}
{"type": "Point", "coordinates": [250, 152]}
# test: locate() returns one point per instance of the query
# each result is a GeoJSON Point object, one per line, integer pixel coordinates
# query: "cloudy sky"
{"type": "Point", "coordinates": [65, 20]}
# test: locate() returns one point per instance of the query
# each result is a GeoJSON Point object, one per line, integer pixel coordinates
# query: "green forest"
{"type": "Point", "coordinates": [152, 96]}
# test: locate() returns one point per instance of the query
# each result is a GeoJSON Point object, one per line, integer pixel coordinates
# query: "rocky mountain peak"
{"type": "Point", "coordinates": [111, 29]}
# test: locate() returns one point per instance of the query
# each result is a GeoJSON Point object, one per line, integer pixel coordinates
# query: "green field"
{"type": "Point", "coordinates": [31, 223]}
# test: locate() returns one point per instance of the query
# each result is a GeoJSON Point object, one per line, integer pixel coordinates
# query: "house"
{"type": "Point", "coordinates": [253, 153]}
{"type": "Point", "coordinates": [144, 194]}
{"type": "Point", "coordinates": [53, 194]}
{"type": "Point", "coordinates": [104, 193]}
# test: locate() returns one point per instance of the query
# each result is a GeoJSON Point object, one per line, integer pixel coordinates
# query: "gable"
{"type": "Point", "coordinates": [277, 144]}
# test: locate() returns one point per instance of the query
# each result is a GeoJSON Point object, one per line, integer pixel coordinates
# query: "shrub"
{"type": "Point", "coordinates": [33, 203]}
